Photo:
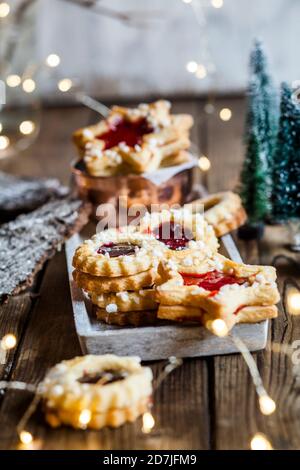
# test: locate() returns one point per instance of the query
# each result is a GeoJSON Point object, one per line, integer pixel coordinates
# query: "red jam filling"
{"type": "Point", "coordinates": [129, 132]}
{"type": "Point", "coordinates": [173, 235]}
{"type": "Point", "coordinates": [117, 249]}
{"type": "Point", "coordinates": [212, 281]}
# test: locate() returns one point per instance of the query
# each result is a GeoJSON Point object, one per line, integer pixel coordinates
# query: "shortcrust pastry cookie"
{"type": "Point", "coordinates": [216, 288]}
{"type": "Point", "coordinates": [96, 391]}
{"type": "Point", "coordinates": [114, 253]}
{"type": "Point", "coordinates": [103, 285]}
{"type": "Point", "coordinates": [131, 318]}
{"type": "Point", "coordinates": [180, 313]}
{"type": "Point", "coordinates": [141, 138]}
{"type": "Point", "coordinates": [144, 299]}
{"type": "Point", "coordinates": [184, 234]}
{"type": "Point", "coordinates": [224, 211]}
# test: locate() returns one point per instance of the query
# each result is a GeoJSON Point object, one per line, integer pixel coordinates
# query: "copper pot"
{"type": "Point", "coordinates": [136, 189]}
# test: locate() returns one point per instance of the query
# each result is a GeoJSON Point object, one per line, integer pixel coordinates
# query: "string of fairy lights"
{"type": "Point", "coordinates": [218, 327]}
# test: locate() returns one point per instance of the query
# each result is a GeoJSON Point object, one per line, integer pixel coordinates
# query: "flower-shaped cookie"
{"type": "Point", "coordinates": [187, 237]}
{"type": "Point", "coordinates": [218, 288]}
{"type": "Point", "coordinates": [224, 211]}
{"type": "Point", "coordinates": [96, 391]}
{"type": "Point", "coordinates": [114, 253]}
{"type": "Point", "coordinates": [135, 140]}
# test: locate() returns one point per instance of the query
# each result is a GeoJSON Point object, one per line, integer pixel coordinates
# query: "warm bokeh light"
{"type": "Point", "coordinates": [293, 302]}
{"type": "Point", "coordinates": [225, 114]}
{"type": "Point", "coordinates": [53, 60]}
{"type": "Point", "coordinates": [217, 3]}
{"type": "Point", "coordinates": [219, 327]}
{"type": "Point", "coordinates": [13, 80]}
{"type": "Point", "coordinates": [85, 417]}
{"type": "Point", "coordinates": [148, 422]}
{"type": "Point", "coordinates": [1, 127]}
{"type": "Point", "coordinates": [25, 437]}
{"type": "Point", "coordinates": [260, 442]}
{"type": "Point", "coordinates": [4, 142]}
{"type": "Point", "coordinates": [29, 85]}
{"type": "Point", "coordinates": [204, 163]}
{"type": "Point", "coordinates": [8, 341]}
{"type": "Point", "coordinates": [192, 66]}
{"type": "Point", "coordinates": [201, 71]}
{"type": "Point", "coordinates": [27, 127]}
{"type": "Point", "coordinates": [65, 84]}
{"type": "Point", "coordinates": [4, 9]}
{"type": "Point", "coordinates": [267, 405]}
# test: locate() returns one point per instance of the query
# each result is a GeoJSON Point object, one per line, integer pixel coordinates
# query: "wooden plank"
{"type": "Point", "coordinates": [13, 317]}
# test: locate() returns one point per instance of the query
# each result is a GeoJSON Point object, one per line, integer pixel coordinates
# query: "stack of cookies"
{"type": "Point", "coordinates": [118, 270]}
{"type": "Point", "coordinates": [169, 268]}
{"type": "Point", "coordinates": [135, 140]}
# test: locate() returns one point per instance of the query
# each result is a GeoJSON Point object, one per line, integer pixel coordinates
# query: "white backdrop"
{"type": "Point", "coordinates": [113, 59]}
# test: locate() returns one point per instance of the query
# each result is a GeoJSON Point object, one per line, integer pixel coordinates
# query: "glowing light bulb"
{"type": "Point", "coordinates": [25, 437]}
{"type": "Point", "coordinates": [217, 3]}
{"type": "Point", "coordinates": [192, 66]}
{"type": "Point", "coordinates": [260, 442]}
{"type": "Point", "coordinates": [53, 60]}
{"type": "Point", "coordinates": [219, 327]}
{"type": "Point", "coordinates": [267, 405]}
{"type": "Point", "coordinates": [13, 80]}
{"type": "Point", "coordinates": [4, 9]}
{"type": "Point", "coordinates": [201, 71]}
{"type": "Point", "coordinates": [148, 423]}
{"type": "Point", "coordinates": [225, 114]}
{"type": "Point", "coordinates": [29, 85]}
{"type": "Point", "coordinates": [65, 84]}
{"type": "Point", "coordinates": [85, 417]}
{"type": "Point", "coordinates": [293, 302]}
{"type": "Point", "coordinates": [204, 163]}
{"type": "Point", "coordinates": [27, 127]}
{"type": "Point", "coordinates": [4, 142]}
{"type": "Point", "coordinates": [8, 341]}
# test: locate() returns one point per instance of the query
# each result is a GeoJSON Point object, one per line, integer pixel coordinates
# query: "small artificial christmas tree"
{"type": "Point", "coordinates": [260, 137]}
{"type": "Point", "coordinates": [286, 168]}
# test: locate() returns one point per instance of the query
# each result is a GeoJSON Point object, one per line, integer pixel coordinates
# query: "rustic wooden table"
{"type": "Point", "coordinates": [207, 403]}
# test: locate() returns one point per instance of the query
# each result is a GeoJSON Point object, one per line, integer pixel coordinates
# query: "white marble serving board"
{"type": "Point", "coordinates": [155, 342]}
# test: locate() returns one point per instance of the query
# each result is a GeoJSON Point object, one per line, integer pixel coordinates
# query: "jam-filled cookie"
{"type": "Point", "coordinates": [103, 285]}
{"type": "Point", "coordinates": [114, 253]}
{"type": "Point", "coordinates": [182, 233]}
{"type": "Point", "coordinates": [140, 138]}
{"type": "Point", "coordinates": [217, 288]}
{"type": "Point", "coordinates": [144, 299]}
{"type": "Point", "coordinates": [129, 318]}
{"type": "Point", "coordinates": [96, 391]}
{"type": "Point", "coordinates": [224, 211]}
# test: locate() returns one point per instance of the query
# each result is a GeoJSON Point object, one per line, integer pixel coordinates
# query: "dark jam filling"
{"type": "Point", "coordinates": [117, 249]}
{"type": "Point", "coordinates": [129, 132]}
{"type": "Point", "coordinates": [173, 235]}
{"type": "Point", "coordinates": [211, 281]}
{"type": "Point", "coordinates": [104, 377]}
